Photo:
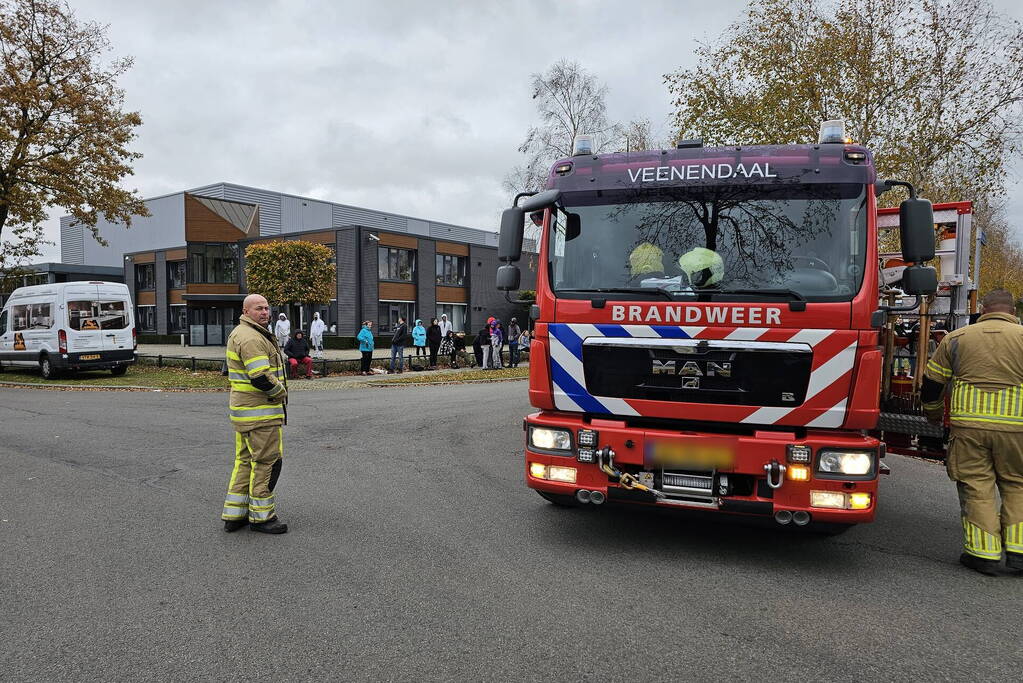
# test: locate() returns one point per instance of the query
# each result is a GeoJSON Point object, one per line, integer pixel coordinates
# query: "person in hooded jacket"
{"type": "Point", "coordinates": [419, 339]}
{"type": "Point", "coordinates": [445, 326]}
{"type": "Point", "coordinates": [282, 330]}
{"type": "Point", "coordinates": [433, 338]}
{"type": "Point", "coordinates": [316, 330]}
{"type": "Point", "coordinates": [366, 343]}
{"type": "Point", "coordinates": [514, 333]}
{"type": "Point", "coordinates": [297, 351]}
{"type": "Point", "coordinates": [496, 342]}
{"type": "Point", "coordinates": [484, 341]}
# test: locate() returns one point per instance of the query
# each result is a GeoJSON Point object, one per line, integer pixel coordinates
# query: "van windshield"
{"type": "Point", "coordinates": [97, 315]}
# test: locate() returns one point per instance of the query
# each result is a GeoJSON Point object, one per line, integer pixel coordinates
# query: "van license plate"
{"type": "Point", "coordinates": [89, 356]}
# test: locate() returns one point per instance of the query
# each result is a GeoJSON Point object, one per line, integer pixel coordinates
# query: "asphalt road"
{"type": "Point", "coordinates": [416, 552]}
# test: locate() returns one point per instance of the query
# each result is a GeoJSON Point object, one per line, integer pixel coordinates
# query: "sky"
{"type": "Point", "coordinates": [411, 107]}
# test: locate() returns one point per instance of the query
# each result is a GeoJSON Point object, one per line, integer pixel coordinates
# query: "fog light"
{"type": "Point", "coordinates": [560, 473]}
{"type": "Point", "coordinates": [586, 455]}
{"type": "Point", "coordinates": [798, 453]}
{"type": "Point", "coordinates": [537, 470]}
{"type": "Point", "coordinates": [587, 437]}
{"type": "Point", "coordinates": [827, 499]}
{"type": "Point", "coordinates": [859, 501]}
{"type": "Point", "coordinates": [798, 472]}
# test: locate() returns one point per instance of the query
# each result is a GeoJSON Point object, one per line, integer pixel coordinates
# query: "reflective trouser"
{"type": "Point", "coordinates": [983, 462]}
{"type": "Point", "coordinates": [257, 464]}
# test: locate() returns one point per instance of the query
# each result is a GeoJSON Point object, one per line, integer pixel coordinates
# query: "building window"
{"type": "Point", "coordinates": [455, 313]}
{"type": "Point", "coordinates": [213, 264]}
{"type": "Point", "coordinates": [145, 276]}
{"type": "Point", "coordinates": [389, 311]}
{"type": "Point", "coordinates": [177, 274]}
{"type": "Point", "coordinates": [396, 264]}
{"type": "Point", "coordinates": [178, 321]}
{"type": "Point", "coordinates": [451, 270]}
{"type": "Point", "coordinates": [146, 318]}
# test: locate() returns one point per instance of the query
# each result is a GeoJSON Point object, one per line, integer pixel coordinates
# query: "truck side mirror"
{"type": "Point", "coordinates": [920, 280]}
{"type": "Point", "coordinates": [509, 246]}
{"type": "Point", "coordinates": [916, 230]}
{"type": "Point", "coordinates": [508, 278]}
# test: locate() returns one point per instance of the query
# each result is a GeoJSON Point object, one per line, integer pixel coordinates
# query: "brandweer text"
{"type": "Point", "coordinates": [695, 314]}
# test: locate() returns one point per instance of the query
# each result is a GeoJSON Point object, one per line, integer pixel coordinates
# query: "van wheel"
{"type": "Point", "coordinates": [119, 370]}
{"type": "Point", "coordinates": [46, 368]}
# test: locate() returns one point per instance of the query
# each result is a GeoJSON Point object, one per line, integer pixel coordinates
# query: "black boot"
{"type": "Point", "coordinates": [1014, 563]}
{"type": "Point", "coordinates": [978, 564]}
{"type": "Point", "coordinates": [232, 525]}
{"type": "Point", "coordinates": [274, 526]}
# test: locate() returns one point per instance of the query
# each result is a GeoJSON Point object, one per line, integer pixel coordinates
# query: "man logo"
{"type": "Point", "coordinates": [691, 371]}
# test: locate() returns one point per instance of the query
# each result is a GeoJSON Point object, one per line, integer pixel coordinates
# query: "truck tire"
{"type": "Point", "coordinates": [46, 368]}
{"type": "Point", "coordinates": [119, 370]}
{"type": "Point", "coordinates": [559, 499]}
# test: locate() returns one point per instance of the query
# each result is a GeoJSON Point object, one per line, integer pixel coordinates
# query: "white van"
{"type": "Point", "coordinates": [69, 326]}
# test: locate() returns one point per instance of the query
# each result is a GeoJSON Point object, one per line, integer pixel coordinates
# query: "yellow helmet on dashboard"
{"type": "Point", "coordinates": [702, 266]}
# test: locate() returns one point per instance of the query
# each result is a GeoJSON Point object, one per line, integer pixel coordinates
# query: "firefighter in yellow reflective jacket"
{"type": "Point", "coordinates": [258, 397]}
{"type": "Point", "coordinates": [983, 363]}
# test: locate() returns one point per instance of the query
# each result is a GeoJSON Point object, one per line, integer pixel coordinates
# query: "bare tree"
{"type": "Point", "coordinates": [64, 137]}
{"type": "Point", "coordinates": [570, 101]}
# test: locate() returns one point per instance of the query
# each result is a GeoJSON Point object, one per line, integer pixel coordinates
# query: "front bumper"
{"type": "Point", "coordinates": [93, 360]}
{"type": "Point", "coordinates": [746, 488]}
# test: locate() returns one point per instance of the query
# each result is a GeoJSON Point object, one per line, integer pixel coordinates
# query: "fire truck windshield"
{"type": "Point", "coordinates": [809, 239]}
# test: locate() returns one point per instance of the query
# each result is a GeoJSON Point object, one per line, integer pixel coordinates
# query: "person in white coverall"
{"type": "Point", "coordinates": [282, 330]}
{"type": "Point", "coordinates": [316, 330]}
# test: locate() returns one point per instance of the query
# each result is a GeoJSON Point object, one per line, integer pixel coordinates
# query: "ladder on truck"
{"type": "Point", "coordinates": [909, 337]}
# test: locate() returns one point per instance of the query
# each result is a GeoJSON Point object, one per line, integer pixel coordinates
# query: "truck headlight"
{"type": "Point", "coordinates": [852, 463]}
{"type": "Point", "coordinates": [549, 439]}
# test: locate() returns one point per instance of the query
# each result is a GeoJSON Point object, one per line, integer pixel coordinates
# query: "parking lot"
{"type": "Point", "coordinates": [416, 552]}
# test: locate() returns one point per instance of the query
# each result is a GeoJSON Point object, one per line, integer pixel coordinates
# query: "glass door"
{"type": "Point", "coordinates": [214, 326]}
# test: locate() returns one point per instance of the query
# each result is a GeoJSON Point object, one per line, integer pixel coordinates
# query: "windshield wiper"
{"type": "Point", "coordinates": [623, 290]}
{"type": "Point", "coordinates": [797, 301]}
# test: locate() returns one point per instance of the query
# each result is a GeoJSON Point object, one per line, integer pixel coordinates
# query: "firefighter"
{"type": "Point", "coordinates": [257, 408]}
{"type": "Point", "coordinates": [984, 365]}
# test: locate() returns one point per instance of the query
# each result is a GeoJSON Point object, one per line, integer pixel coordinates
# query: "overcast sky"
{"type": "Point", "coordinates": [411, 107]}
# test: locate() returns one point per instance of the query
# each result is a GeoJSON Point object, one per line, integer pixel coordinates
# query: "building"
{"type": "Point", "coordinates": [185, 262]}
{"type": "Point", "coordinates": [48, 273]}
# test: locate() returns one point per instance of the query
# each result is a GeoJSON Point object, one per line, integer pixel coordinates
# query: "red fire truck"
{"type": "Point", "coordinates": [711, 328]}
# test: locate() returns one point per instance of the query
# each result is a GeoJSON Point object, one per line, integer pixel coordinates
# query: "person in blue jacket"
{"type": "Point", "coordinates": [365, 338]}
{"type": "Point", "coordinates": [419, 338]}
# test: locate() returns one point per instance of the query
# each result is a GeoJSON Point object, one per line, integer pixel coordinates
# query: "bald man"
{"type": "Point", "coordinates": [259, 394]}
{"type": "Point", "coordinates": [983, 363]}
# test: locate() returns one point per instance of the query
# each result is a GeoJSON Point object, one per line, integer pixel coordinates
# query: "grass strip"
{"type": "Point", "coordinates": [138, 376]}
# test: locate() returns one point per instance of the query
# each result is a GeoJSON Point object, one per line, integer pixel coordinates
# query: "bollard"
{"type": "Point", "coordinates": [159, 361]}
{"type": "Point", "coordinates": [193, 363]}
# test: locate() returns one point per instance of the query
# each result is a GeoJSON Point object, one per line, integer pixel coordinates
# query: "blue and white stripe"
{"type": "Point", "coordinates": [568, 378]}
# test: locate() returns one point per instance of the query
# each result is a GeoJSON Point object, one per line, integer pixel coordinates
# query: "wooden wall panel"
{"type": "Point", "coordinates": [148, 257]}
{"type": "Point", "coordinates": [451, 295]}
{"type": "Point", "coordinates": [389, 239]}
{"type": "Point", "coordinates": [203, 225]}
{"type": "Point", "coordinates": [177, 254]}
{"type": "Point", "coordinates": [212, 289]}
{"type": "Point", "coordinates": [174, 296]}
{"type": "Point", "coordinates": [146, 297]}
{"type": "Point", "coordinates": [326, 237]}
{"type": "Point", "coordinates": [451, 248]}
{"type": "Point", "coordinates": [397, 291]}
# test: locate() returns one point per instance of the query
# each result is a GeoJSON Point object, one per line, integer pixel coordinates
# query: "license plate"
{"type": "Point", "coordinates": [702, 454]}
{"type": "Point", "coordinates": [89, 356]}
